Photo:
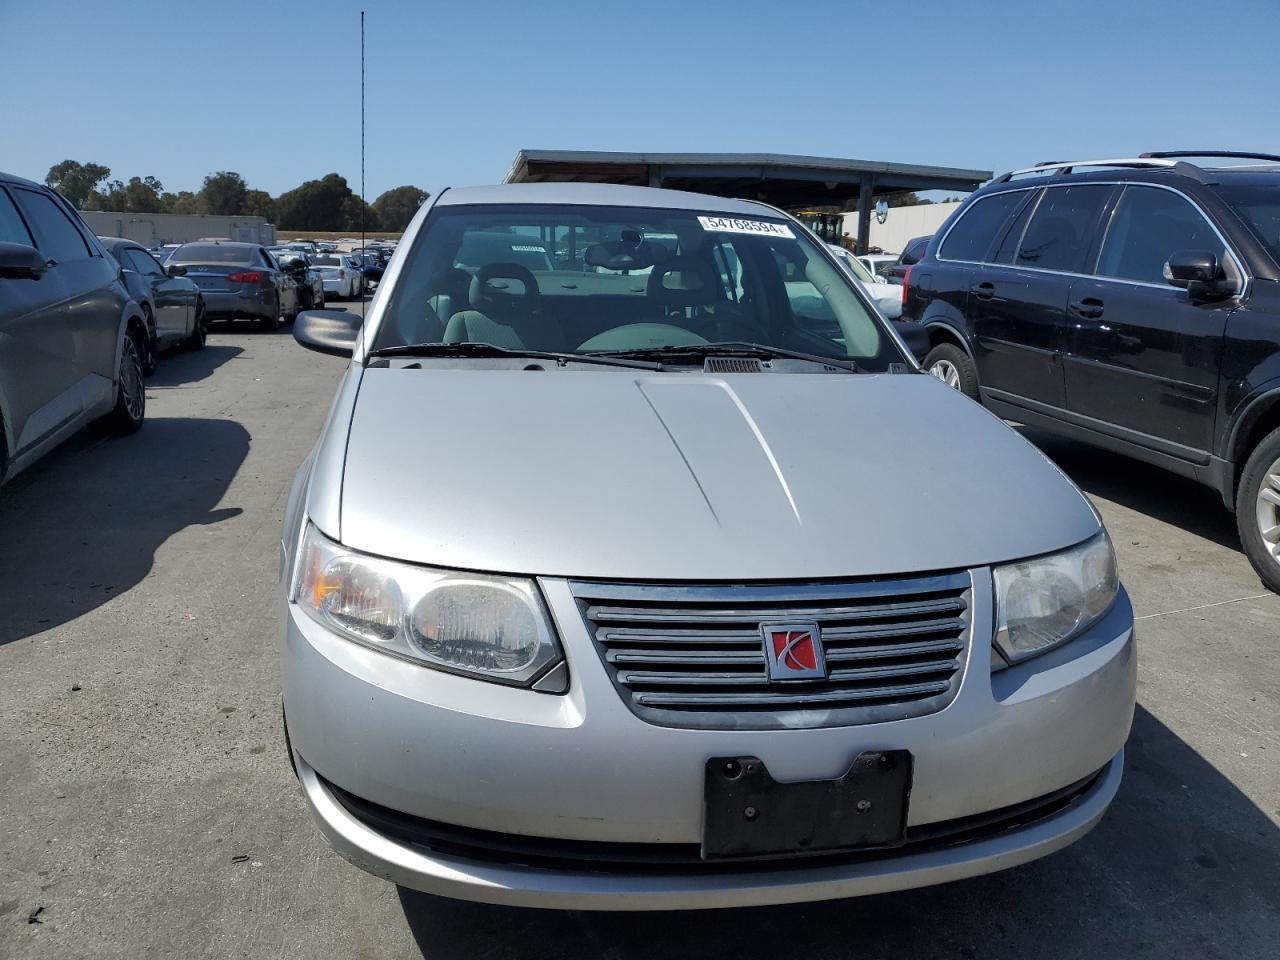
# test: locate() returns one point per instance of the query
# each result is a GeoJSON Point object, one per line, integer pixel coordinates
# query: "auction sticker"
{"type": "Point", "coordinates": [734, 225]}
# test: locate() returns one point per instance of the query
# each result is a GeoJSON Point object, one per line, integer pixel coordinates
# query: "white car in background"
{"type": "Point", "coordinates": [878, 265]}
{"type": "Point", "coordinates": [342, 277]}
{"type": "Point", "coordinates": [888, 296]}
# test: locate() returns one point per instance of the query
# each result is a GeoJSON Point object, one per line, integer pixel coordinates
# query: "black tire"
{"type": "Point", "coordinates": [131, 391]}
{"type": "Point", "coordinates": [947, 358]}
{"type": "Point", "coordinates": [151, 354]}
{"type": "Point", "coordinates": [1255, 508]}
{"type": "Point", "coordinates": [200, 332]}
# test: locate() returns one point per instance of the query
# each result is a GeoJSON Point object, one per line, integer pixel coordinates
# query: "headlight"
{"type": "Point", "coordinates": [1044, 602]}
{"type": "Point", "coordinates": [494, 628]}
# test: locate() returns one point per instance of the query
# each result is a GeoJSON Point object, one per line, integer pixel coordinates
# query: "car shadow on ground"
{"type": "Point", "coordinates": [1182, 866]}
{"type": "Point", "coordinates": [1150, 490]}
{"type": "Point", "coordinates": [176, 368]}
{"type": "Point", "coordinates": [82, 526]}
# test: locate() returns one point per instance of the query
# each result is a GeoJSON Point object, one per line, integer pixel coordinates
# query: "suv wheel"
{"type": "Point", "coordinates": [1258, 510]}
{"type": "Point", "coordinates": [953, 367]}
{"type": "Point", "coordinates": [131, 392]}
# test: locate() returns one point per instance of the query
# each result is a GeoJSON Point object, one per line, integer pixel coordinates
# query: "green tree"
{"type": "Point", "coordinates": [258, 203]}
{"type": "Point", "coordinates": [76, 181]}
{"type": "Point", "coordinates": [184, 201]}
{"type": "Point", "coordinates": [906, 200]}
{"type": "Point", "coordinates": [396, 207]}
{"type": "Point", "coordinates": [223, 193]}
{"type": "Point", "coordinates": [317, 205]}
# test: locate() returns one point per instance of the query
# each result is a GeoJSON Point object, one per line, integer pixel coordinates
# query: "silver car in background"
{"type": "Point", "coordinates": [72, 340]}
{"type": "Point", "coordinates": [238, 281]}
{"type": "Point", "coordinates": [670, 581]}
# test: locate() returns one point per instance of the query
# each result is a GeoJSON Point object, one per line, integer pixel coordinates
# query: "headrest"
{"type": "Point", "coordinates": [491, 296]}
{"type": "Point", "coordinates": [684, 282]}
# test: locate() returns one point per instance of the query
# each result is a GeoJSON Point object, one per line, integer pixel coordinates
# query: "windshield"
{"type": "Point", "coordinates": [210, 253]}
{"type": "Point", "coordinates": [625, 279]}
{"type": "Point", "coordinates": [1259, 208]}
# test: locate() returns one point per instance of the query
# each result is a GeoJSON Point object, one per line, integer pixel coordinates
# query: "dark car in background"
{"type": "Point", "coordinates": [239, 281]}
{"type": "Point", "coordinates": [171, 303]}
{"type": "Point", "coordinates": [71, 338]}
{"type": "Point", "coordinates": [1134, 304]}
{"type": "Point", "coordinates": [911, 254]}
{"type": "Point", "coordinates": [300, 267]}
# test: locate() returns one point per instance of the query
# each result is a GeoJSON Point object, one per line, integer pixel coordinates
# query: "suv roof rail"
{"type": "Point", "coordinates": [1061, 167]}
{"type": "Point", "coordinates": [1236, 154]}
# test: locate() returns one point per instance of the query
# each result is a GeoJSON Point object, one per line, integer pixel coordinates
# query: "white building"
{"type": "Point", "coordinates": [150, 229]}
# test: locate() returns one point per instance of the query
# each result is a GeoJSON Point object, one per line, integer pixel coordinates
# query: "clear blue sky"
{"type": "Point", "coordinates": [177, 89]}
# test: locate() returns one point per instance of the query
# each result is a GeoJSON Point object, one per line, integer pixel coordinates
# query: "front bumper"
{"type": "Point", "coordinates": [582, 767]}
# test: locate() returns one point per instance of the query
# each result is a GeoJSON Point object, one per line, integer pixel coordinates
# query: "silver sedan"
{"type": "Point", "coordinates": [670, 581]}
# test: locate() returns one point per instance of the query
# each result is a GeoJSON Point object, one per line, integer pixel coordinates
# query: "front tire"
{"type": "Point", "coordinates": [131, 393]}
{"type": "Point", "coordinates": [952, 366]}
{"type": "Point", "coordinates": [1258, 510]}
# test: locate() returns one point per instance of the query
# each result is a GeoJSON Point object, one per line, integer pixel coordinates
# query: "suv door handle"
{"type": "Point", "coordinates": [983, 291]}
{"type": "Point", "coordinates": [1088, 307]}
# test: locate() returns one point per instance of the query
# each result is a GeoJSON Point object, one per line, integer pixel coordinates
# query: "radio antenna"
{"type": "Point", "coordinates": [363, 204]}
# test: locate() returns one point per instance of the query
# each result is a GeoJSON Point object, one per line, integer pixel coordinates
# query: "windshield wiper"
{"type": "Point", "coordinates": [473, 349]}
{"type": "Point", "coordinates": [726, 348]}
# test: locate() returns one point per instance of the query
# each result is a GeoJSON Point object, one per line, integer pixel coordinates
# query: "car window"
{"type": "Point", "coordinates": [1061, 229]}
{"type": "Point", "coordinates": [1259, 208]}
{"type": "Point", "coordinates": [143, 262]}
{"type": "Point", "coordinates": [12, 229]}
{"type": "Point", "coordinates": [629, 278]}
{"type": "Point", "coordinates": [1013, 234]}
{"type": "Point", "coordinates": [211, 253]}
{"type": "Point", "coordinates": [56, 236]}
{"type": "Point", "coordinates": [972, 236]}
{"type": "Point", "coordinates": [1148, 225]}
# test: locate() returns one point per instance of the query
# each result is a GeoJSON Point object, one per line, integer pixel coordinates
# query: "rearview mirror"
{"type": "Point", "coordinates": [21, 262]}
{"type": "Point", "coordinates": [1199, 273]}
{"type": "Point", "coordinates": [334, 332]}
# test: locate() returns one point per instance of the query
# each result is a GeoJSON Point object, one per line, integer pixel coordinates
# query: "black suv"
{"type": "Point", "coordinates": [1131, 303]}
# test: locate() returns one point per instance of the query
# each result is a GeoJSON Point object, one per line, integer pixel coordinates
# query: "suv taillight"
{"type": "Point", "coordinates": [249, 276]}
{"type": "Point", "coordinates": [906, 280]}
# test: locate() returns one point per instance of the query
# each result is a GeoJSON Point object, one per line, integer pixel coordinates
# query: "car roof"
{"type": "Point", "coordinates": [16, 180]}
{"type": "Point", "coordinates": [118, 243]}
{"type": "Point", "coordinates": [1268, 176]}
{"type": "Point", "coordinates": [222, 243]}
{"type": "Point", "coordinates": [602, 195]}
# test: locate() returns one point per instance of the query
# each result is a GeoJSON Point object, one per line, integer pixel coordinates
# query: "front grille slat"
{"type": "Point", "coordinates": [693, 655]}
{"type": "Point", "coordinates": [787, 697]}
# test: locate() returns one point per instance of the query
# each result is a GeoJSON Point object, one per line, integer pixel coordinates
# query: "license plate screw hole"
{"type": "Point", "coordinates": [732, 770]}
{"type": "Point", "coordinates": [862, 806]}
{"type": "Point", "coordinates": [749, 813]}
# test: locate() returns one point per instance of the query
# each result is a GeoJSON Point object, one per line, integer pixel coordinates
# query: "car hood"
{"type": "Point", "coordinates": [673, 476]}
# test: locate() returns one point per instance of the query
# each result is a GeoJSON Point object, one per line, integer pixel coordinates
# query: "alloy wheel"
{"type": "Point", "coordinates": [131, 384]}
{"type": "Point", "coordinates": [946, 371]}
{"type": "Point", "coordinates": [1268, 510]}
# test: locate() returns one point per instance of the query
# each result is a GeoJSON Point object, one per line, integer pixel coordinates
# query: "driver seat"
{"type": "Point", "coordinates": [513, 321]}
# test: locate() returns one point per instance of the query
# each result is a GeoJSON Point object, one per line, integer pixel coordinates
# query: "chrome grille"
{"type": "Point", "coordinates": [693, 655]}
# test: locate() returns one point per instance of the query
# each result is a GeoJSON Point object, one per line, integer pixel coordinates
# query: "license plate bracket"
{"type": "Point", "coordinates": [746, 813]}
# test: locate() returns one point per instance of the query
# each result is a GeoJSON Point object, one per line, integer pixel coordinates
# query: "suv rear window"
{"type": "Point", "coordinates": [1062, 228]}
{"type": "Point", "coordinates": [973, 234]}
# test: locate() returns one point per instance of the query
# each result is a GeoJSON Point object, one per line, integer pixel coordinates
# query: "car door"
{"type": "Point", "coordinates": [171, 295]}
{"type": "Point", "coordinates": [286, 288]}
{"type": "Point", "coordinates": [38, 376]}
{"type": "Point", "coordinates": [1017, 303]}
{"type": "Point", "coordinates": [1145, 357]}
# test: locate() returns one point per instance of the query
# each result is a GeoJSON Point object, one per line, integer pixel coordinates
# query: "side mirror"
{"type": "Point", "coordinates": [334, 332]}
{"type": "Point", "coordinates": [21, 262]}
{"type": "Point", "coordinates": [1199, 273]}
{"type": "Point", "coordinates": [177, 270]}
{"type": "Point", "coordinates": [914, 336]}
{"type": "Point", "coordinates": [891, 307]}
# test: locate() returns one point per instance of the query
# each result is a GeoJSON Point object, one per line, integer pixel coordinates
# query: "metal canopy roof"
{"type": "Point", "coordinates": [779, 179]}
